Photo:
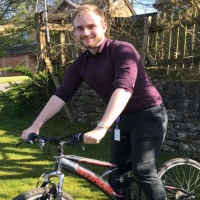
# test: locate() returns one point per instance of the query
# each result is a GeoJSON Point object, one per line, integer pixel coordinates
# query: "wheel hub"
{"type": "Point", "coordinates": [182, 196]}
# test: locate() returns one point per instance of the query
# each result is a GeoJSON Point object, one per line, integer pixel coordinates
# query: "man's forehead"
{"type": "Point", "coordinates": [89, 17]}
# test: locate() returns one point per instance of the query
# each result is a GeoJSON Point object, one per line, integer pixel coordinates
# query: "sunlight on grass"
{"type": "Point", "coordinates": [12, 79]}
{"type": "Point", "coordinates": [83, 190]}
{"type": "Point", "coordinates": [21, 167]}
{"type": "Point", "coordinates": [11, 187]}
{"type": "Point", "coordinates": [4, 138]}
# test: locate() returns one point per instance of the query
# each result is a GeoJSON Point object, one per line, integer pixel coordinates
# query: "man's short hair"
{"type": "Point", "coordinates": [82, 9]}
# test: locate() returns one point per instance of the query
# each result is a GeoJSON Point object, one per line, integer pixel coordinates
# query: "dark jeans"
{"type": "Point", "coordinates": [142, 135]}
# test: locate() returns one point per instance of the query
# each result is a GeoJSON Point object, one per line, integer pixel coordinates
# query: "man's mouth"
{"type": "Point", "coordinates": [87, 39]}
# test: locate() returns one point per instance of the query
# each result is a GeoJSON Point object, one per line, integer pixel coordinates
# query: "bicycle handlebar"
{"type": "Point", "coordinates": [32, 137]}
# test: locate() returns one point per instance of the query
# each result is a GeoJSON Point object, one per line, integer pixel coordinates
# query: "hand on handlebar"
{"type": "Point", "coordinates": [94, 136]}
{"type": "Point", "coordinates": [31, 129]}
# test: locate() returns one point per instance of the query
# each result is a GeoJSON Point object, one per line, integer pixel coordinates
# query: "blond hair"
{"type": "Point", "coordinates": [82, 9]}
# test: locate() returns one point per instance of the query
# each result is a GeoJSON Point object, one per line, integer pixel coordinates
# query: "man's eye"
{"type": "Point", "coordinates": [91, 27]}
{"type": "Point", "coordinates": [79, 28]}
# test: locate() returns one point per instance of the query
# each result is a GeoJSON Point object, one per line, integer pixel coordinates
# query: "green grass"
{"type": "Point", "coordinates": [12, 79]}
{"type": "Point", "coordinates": [21, 167]}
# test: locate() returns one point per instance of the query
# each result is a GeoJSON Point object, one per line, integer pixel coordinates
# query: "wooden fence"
{"type": "Point", "coordinates": [163, 40]}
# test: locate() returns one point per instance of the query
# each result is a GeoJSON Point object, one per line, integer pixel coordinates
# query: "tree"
{"type": "Point", "coordinates": [17, 22]}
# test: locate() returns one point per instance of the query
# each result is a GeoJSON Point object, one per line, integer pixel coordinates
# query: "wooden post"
{"type": "Point", "coordinates": [193, 31]}
{"type": "Point", "coordinates": [169, 44]}
{"type": "Point", "coordinates": [42, 46]}
{"type": "Point", "coordinates": [145, 52]}
{"type": "Point", "coordinates": [177, 45]}
{"type": "Point", "coordinates": [108, 17]}
{"type": "Point", "coordinates": [63, 46]}
{"type": "Point", "coordinates": [145, 39]}
{"type": "Point", "coordinates": [44, 49]}
{"type": "Point", "coordinates": [57, 84]}
{"type": "Point", "coordinates": [4, 65]}
{"type": "Point", "coordinates": [184, 44]}
{"type": "Point", "coordinates": [37, 29]}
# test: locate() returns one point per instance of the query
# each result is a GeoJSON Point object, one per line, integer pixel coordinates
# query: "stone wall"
{"type": "Point", "coordinates": [182, 101]}
{"type": "Point", "coordinates": [86, 106]}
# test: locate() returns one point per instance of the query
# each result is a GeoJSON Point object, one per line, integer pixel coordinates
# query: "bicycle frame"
{"type": "Point", "coordinates": [70, 163]}
{"type": "Point", "coordinates": [73, 167]}
{"type": "Point", "coordinates": [89, 175]}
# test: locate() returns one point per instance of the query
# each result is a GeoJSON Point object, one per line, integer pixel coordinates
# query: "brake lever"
{"type": "Point", "coordinates": [24, 142]}
{"type": "Point", "coordinates": [18, 144]}
{"type": "Point", "coordinates": [32, 137]}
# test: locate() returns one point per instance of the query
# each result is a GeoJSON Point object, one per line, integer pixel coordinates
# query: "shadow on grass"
{"type": "Point", "coordinates": [27, 161]}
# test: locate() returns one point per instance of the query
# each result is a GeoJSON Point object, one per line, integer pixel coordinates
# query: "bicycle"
{"type": "Point", "coordinates": [180, 176]}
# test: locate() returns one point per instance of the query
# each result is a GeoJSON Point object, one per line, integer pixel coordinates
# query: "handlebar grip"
{"type": "Point", "coordinates": [79, 136]}
{"type": "Point", "coordinates": [32, 137]}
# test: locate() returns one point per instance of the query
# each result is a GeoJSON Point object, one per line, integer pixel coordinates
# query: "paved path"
{"type": "Point", "coordinates": [3, 86]}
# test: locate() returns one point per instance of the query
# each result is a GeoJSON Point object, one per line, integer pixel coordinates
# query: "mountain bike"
{"type": "Point", "coordinates": [180, 176]}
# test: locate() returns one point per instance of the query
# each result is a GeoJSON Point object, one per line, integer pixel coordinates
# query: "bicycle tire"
{"type": "Point", "coordinates": [182, 173]}
{"type": "Point", "coordinates": [40, 194]}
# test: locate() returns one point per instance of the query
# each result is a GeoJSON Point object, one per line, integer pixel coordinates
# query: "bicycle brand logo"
{"type": "Point", "coordinates": [88, 175]}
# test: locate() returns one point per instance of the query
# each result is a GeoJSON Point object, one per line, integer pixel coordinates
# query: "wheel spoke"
{"type": "Point", "coordinates": [181, 175]}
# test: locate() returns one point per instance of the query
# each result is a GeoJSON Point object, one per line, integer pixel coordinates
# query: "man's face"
{"type": "Point", "coordinates": [90, 30]}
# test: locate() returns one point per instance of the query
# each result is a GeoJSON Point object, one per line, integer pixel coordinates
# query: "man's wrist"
{"type": "Point", "coordinates": [103, 125]}
{"type": "Point", "coordinates": [37, 124]}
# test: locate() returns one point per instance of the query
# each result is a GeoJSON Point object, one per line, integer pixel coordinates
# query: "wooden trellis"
{"type": "Point", "coordinates": [160, 41]}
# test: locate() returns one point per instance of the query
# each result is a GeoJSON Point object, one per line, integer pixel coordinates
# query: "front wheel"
{"type": "Point", "coordinates": [41, 194]}
{"type": "Point", "coordinates": [181, 178]}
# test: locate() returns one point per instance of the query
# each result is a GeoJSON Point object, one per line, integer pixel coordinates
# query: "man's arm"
{"type": "Point", "coordinates": [53, 106]}
{"type": "Point", "coordinates": [116, 105]}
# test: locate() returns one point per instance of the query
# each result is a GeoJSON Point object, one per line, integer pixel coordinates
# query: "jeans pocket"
{"type": "Point", "coordinates": [159, 114]}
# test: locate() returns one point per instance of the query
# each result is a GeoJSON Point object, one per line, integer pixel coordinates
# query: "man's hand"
{"type": "Point", "coordinates": [31, 129]}
{"type": "Point", "coordinates": [94, 136]}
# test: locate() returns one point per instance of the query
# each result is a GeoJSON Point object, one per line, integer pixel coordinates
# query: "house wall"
{"type": "Point", "coordinates": [30, 61]}
{"type": "Point", "coordinates": [120, 10]}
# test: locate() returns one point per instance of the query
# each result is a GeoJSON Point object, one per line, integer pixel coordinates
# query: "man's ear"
{"type": "Point", "coordinates": [104, 27]}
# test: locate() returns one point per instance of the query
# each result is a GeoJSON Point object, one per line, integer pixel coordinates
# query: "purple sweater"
{"type": "Point", "coordinates": [117, 64]}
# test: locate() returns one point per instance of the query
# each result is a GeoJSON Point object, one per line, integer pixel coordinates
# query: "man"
{"type": "Point", "coordinates": [114, 70]}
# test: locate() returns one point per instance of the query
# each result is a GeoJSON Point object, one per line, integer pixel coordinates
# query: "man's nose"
{"type": "Point", "coordinates": [86, 31]}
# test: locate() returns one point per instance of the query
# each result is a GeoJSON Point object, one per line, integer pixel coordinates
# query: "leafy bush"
{"type": "Point", "coordinates": [31, 94]}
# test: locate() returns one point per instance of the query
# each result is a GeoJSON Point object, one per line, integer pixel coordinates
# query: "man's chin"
{"type": "Point", "coordinates": [89, 46]}
{"type": "Point", "coordinates": [92, 45]}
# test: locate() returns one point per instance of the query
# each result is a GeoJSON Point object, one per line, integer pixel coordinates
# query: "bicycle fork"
{"type": "Point", "coordinates": [55, 189]}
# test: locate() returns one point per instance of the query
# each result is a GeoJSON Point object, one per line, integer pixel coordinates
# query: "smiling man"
{"type": "Point", "coordinates": [134, 106]}
{"type": "Point", "coordinates": [90, 30]}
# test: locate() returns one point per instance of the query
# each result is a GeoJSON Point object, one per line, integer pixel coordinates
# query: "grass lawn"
{"type": "Point", "coordinates": [12, 79]}
{"type": "Point", "coordinates": [21, 167]}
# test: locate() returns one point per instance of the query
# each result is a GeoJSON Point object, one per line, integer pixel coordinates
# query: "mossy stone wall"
{"type": "Point", "coordinates": [181, 97]}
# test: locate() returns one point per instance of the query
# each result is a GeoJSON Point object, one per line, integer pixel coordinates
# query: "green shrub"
{"type": "Point", "coordinates": [31, 94]}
